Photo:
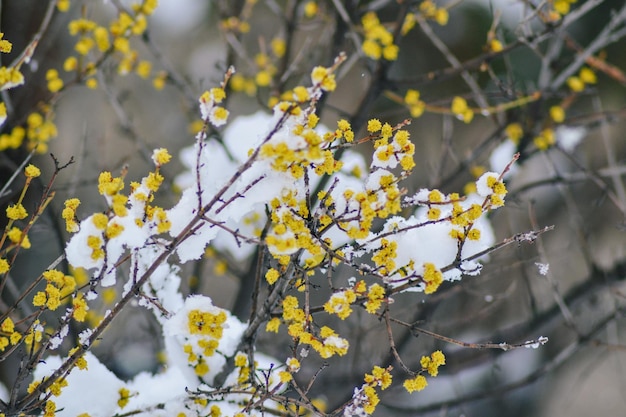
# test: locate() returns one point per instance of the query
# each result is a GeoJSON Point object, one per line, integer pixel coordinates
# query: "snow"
{"type": "Point", "coordinates": [96, 387]}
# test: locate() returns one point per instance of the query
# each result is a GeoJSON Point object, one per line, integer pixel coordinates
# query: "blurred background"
{"type": "Point", "coordinates": [576, 185]}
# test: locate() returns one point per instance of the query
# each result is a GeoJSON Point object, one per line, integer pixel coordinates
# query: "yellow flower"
{"type": "Point", "coordinates": [124, 396]}
{"type": "Point", "coordinates": [557, 114]}
{"type": "Point", "coordinates": [495, 45]}
{"type": "Point", "coordinates": [7, 325]}
{"type": "Point", "coordinates": [91, 83]}
{"type": "Point", "coordinates": [323, 77]}
{"type": "Point", "coordinates": [263, 78]}
{"type": "Point", "coordinates": [154, 181]}
{"type": "Point", "coordinates": [371, 49]}
{"type": "Point", "coordinates": [273, 325]}
{"type": "Point", "coordinates": [272, 276]}
{"type": "Point", "coordinates": [161, 156]}
{"type": "Point", "coordinates": [4, 266]}
{"type": "Point", "coordinates": [460, 108]}
{"type": "Point", "coordinates": [459, 105]}
{"type": "Point", "coordinates": [143, 69]}
{"type": "Point", "coordinates": [5, 46]}
{"type": "Point", "coordinates": [310, 9]}
{"type": "Point", "coordinates": [374, 125]}
{"type": "Point", "coordinates": [284, 376]}
{"type": "Point", "coordinates": [16, 212]}
{"type": "Point", "coordinates": [206, 323]}
{"type": "Point", "coordinates": [32, 171]}
{"type": "Point", "coordinates": [80, 309]}
{"type": "Point", "coordinates": [432, 277]}
{"type": "Point", "coordinates": [159, 80]}
{"type": "Point", "coordinates": [442, 16]}
{"type": "Point", "coordinates": [101, 35]}
{"type": "Point", "coordinates": [100, 220]}
{"type": "Point", "coordinates": [587, 75]}
{"type": "Point", "coordinates": [514, 132]}
{"type": "Point", "coordinates": [433, 213]}
{"type": "Point", "coordinates": [279, 46]}
{"type": "Point", "coordinates": [575, 84]}
{"type": "Point", "coordinates": [70, 64]}
{"type": "Point", "coordinates": [416, 384]}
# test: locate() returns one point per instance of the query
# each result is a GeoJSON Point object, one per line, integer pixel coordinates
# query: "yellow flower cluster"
{"type": "Point", "coordinates": [545, 139]}
{"type": "Point", "coordinates": [240, 83]}
{"type": "Point", "coordinates": [209, 108]}
{"type": "Point", "coordinates": [107, 225]}
{"type": "Point", "coordinates": [209, 325]}
{"type": "Point", "coordinates": [562, 7]}
{"type": "Point", "coordinates": [55, 84]}
{"type": "Point", "coordinates": [110, 187]}
{"type": "Point", "coordinates": [380, 377]}
{"type": "Point", "coordinates": [461, 110]}
{"type": "Point", "coordinates": [16, 212]}
{"type": "Point", "coordinates": [34, 335]}
{"type": "Point", "coordinates": [58, 286]}
{"type": "Point", "coordinates": [18, 237]}
{"type": "Point", "coordinates": [325, 342]}
{"type": "Point", "coordinates": [557, 114]}
{"type": "Point", "coordinates": [585, 76]}
{"type": "Point", "coordinates": [69, 214]}
{"type": "Point", "coordinates": [432, 278]}
{"type": "Point", "coordinates": [429, 10]}
{"type": "Point", "coordinates": [113, 40]}
{"type": "Point", "coordinates": [241, 362]}
{"type": "Point", "coordinates": [400, 149]}
{"type": "Point", "coordinates": [343, 131]}
{"type": "Point", "coordinates": [39, 130]}
{"type": "Point", "coordinates": [205, 323]}
{"type": "Point", "coordinates": [124, 397]}
{"type": "Point", "coordinates": [413, 102]}
{"type": "Point", "coordinates": [384, 258]}
{"type": "Point", "coordinates": [5, 46]}
{"type": "Point", "coordinates": [514, 132]}
{"type": "Point", "coordinates": [8, 334]}
{"type": "Point", "coordinates": [272, 276]}
{"type": "Point", "coordinates": [265, 70]}
{"type": "Point", "coordinates": [12, 140]}
{"type": "Point", "coordinates": [378, 40]}
{"type": "Point", "coordinates": [50, 409]}
{"type": "Point", "coordinates": [9, 76]}
{"type": "Point", "coordinates": [431, 366]}
{"type": "Point", "coordinates": [323, 78]}
{"type": "Point", "coordinates": [235, 25]}
{"type": "Point", "coordinates": [4, 266]}
{"type": "Point", "coordinates": [499, 191]}
{"type": "Point", "coordinates": [340, 303]}
{"type": "Point", "coordinates": [79, 308]}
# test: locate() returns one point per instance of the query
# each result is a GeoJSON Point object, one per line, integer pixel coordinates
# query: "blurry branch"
{"type": "Point", "coordinates": [602, 40]}
{"type": "Point", "coordinates": [546, 322]}
{"type": "Point", "coordinates": [505, 346]}
{"type": "Point", "coordinates": [29, 50]}
{"type": "Point", "coordinates": [531, 41]}
{"type": "Point", "coordinates": [183, 84]}
{"type": "Point", "coordinates": [554, 285]}
{"type": "Point", "coordinates": [618, 183]}
{"type": "Point", "coordinates": [456, 64]}
{"type": "Point", "coordinates": [550, 366]}
{"type": "Point", "coordinates": [566, 178]}
{"type": "Point", "coordinates": [125, 122]}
